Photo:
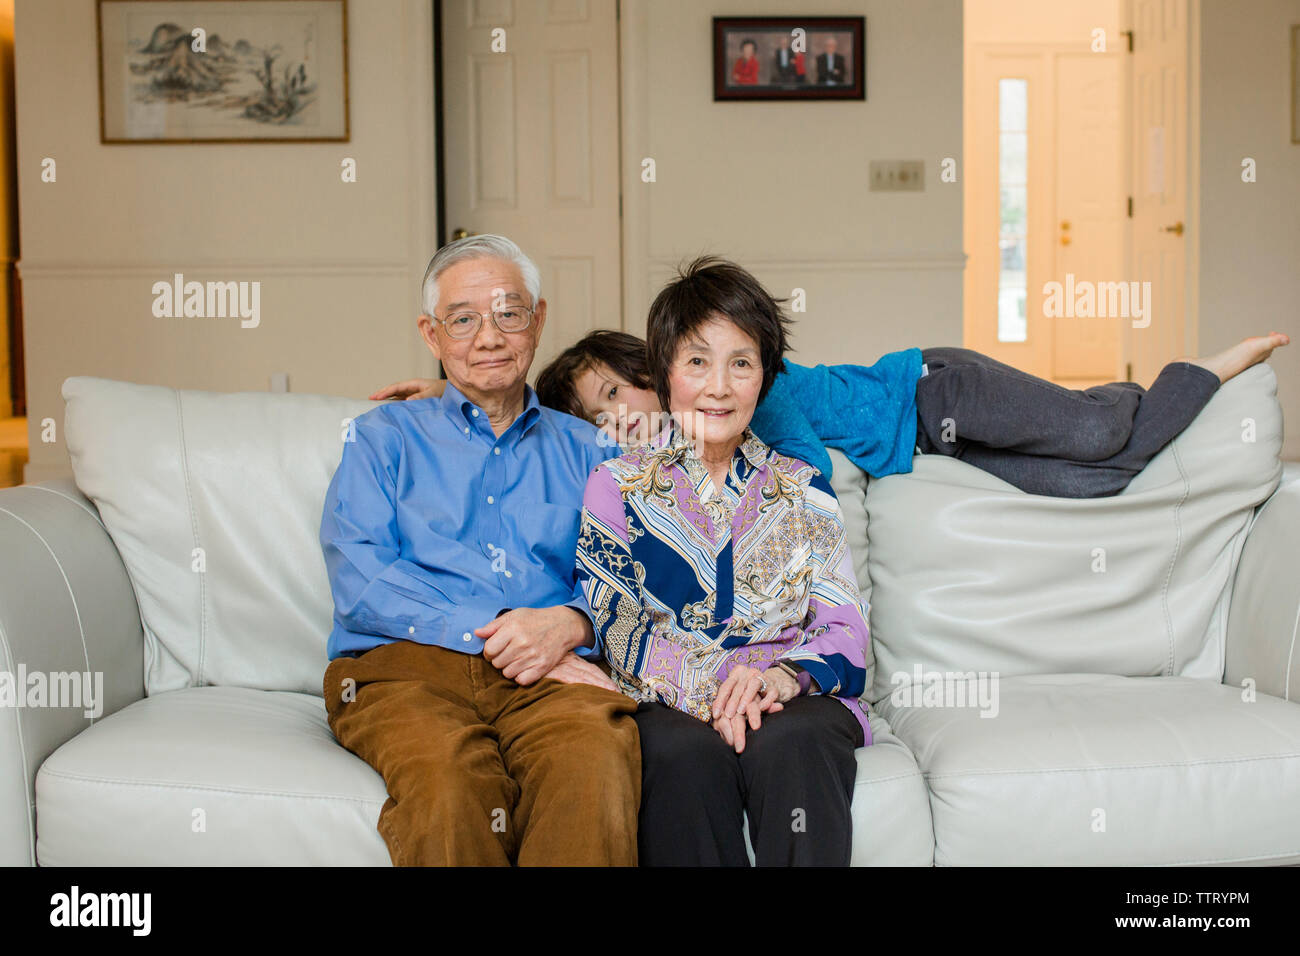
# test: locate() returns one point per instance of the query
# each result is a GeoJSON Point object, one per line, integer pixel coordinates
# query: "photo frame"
{"type": "Point", "coordinates": [789, 58]}
{"type": "Point", "coordinates": [1295, 83]}
{"type": "Point", "coordinates": [223, 71]}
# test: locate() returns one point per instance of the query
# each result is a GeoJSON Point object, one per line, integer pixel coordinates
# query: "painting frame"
{"type": "Point", "coordinates": [113, 130]}
{"type": "Point", "coordinates": [803, 80]}
{"type": "Point", "coordinates": [1295, 83]}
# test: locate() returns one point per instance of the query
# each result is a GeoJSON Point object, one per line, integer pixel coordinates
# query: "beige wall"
{"type": "Point", "coordinates": [339, 263]}
{"type": "Point", "coordinates": [1033, 21]}
{"type": "Point", "coordinates": [1250, 232]}
{"type": "Point", "coordinates": [782, 187]}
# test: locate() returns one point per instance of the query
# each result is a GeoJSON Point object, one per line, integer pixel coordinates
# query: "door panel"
{"type": "Point", "coordinates": [983, 268]}
{"type": "Point", "coordinates": [1090, 211]}
{"type": "Point", "coordinates": [1159, 152]}
{"type": "Point", "coordinates": [531, 147]}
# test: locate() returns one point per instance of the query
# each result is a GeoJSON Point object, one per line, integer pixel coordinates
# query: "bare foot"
{"type": "Point", "coordinates": [1243, 355]}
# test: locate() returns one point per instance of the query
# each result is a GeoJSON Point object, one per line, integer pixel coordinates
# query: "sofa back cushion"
{"type": "Point", "coordinates": [971, 574]}
{"type": "Point", "coordinates": [214, 501]}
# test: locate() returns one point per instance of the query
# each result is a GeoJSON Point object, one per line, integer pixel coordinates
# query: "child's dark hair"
{"type": "Point", "coordinates": [622, 353]}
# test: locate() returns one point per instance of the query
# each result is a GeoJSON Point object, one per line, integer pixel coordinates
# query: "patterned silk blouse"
{"type": "Point", "coordinates": [686, 580]}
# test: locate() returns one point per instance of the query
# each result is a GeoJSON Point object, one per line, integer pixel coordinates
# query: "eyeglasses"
{"type": "Point", "coordinates": [465, 324]}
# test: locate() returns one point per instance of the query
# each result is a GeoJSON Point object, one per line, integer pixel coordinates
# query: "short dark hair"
{"type": "Point", "coordinates": [706, 289]}
{"type": "Point", "coordinates": [622, 353]}
{"type": "Point", "coordinates": [747, 42]}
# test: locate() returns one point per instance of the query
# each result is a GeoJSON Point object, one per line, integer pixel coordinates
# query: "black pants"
{"type": "Point", "coordinates": [1046, 439]}
{"type": "Point", "coordinates": [794, 779]}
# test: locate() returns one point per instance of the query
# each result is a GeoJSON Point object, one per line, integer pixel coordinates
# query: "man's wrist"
{"type": "Point", "coordinates": [586, 636]}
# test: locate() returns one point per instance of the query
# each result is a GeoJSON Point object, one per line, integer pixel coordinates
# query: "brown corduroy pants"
{"type": "Point", "coordinates": [482, 771]}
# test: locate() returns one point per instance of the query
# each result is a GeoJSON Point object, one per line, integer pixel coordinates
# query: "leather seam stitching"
{"type": "Point", "coordinates": [60, 494]}
{"type": "Point", "coordinates": [22, 747]}
{"type": "Point", "coordinates": [1231, 859]}
{"type": "Point", "coordinates": [194, 528]}
{"type": "Point", "coordinates": [81, 627]}
{"type": "Point", "coordinates": [154, 785]}
{"type": "Point", "coordinates": [22, 753]}
{"type": "Point", "coordinates": [929, 775]}
{"type": "Point", "coordinates": [889, 779]}
{"type": "Point", "coordinates": [1290, 654]}
{"type": "Point", "coordinates": [1173, 558]}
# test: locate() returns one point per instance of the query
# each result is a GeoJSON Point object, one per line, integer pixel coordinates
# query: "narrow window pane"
{"type": "Point", "coordinates": [1012, 106]}
{"type": "Point", "coordinates": [1013, 192]}
{"type": "Point", "coordinates": [1012, 169]}
{"type": "Point", "coordinates": [1013, 210]}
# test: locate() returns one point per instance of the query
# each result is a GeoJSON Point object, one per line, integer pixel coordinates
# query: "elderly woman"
{"type": "Point", "coordinates": [723, 591]}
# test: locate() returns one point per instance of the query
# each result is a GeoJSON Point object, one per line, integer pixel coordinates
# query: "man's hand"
{"type": "Point", "coordinates": [526, 643]}
{"type": "Point", "coordinates": [572, 669]}
{"type": "Point", "coordinates": [411, 389]}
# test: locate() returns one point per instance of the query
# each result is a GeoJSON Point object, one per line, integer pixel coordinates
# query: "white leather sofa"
{"type": "Point", "coordinates": [1133, 658]}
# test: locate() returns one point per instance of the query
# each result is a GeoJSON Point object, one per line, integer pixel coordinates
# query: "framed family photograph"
{"type": "Point", "coordinates": [223, 71]}
{"type": "Point", "coordinates": [789, 58]}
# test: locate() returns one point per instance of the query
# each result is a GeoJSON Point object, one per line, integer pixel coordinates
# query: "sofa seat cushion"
{"type": "Point", "coordinates": [275, 788]}
{"type": "Point", "coordinates": [891, 806]}
{"type": "Point", "coordinates": [1087, 769]}
{"type": "Point", "coordinates": [273, 785]}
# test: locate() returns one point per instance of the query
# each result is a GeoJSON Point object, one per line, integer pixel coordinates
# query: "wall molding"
{"type": "Point", "coordinates": [945, 263]}
{"type": "Point", "coordinates": [223, 268]}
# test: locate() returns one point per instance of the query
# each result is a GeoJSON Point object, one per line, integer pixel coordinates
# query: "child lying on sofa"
{"type": "Point", "coordinates": [1040, 437]}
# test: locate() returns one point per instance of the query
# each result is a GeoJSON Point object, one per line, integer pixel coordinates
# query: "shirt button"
{"type": "Point", "coordinates": [491, 500]}
{"type": "Point", "coordinates": [496, 451]}
{"type": "Point", "coordinates": [410, 630]}
{"type": "Point", "coordinates": [466, 636]}
{"type": "Point", "coordinates": [474, 412]}
{"type": "Point", "coordinates": [466, 429]}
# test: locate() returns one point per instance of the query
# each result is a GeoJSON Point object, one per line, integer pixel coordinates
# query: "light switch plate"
{"type": "Point", "coordinates": [279, 381]}
{"type": "Point", "coordinates": [897, 175]}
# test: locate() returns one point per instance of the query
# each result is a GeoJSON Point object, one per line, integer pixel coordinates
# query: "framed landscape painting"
{"type": "Point", "coordinates": [223, 71]}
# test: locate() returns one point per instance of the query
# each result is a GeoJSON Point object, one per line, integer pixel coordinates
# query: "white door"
{"type": "Point", "coordinates": [1091, 207]}
{"type": "Point", "coordinates": [1045, 199]}
{"type": "Point", "coordinates": [1159, 149]}
{"type": "Point", "coordinates": [1008, 206]}
{"type": "Point", "coordinates": [530, 146]}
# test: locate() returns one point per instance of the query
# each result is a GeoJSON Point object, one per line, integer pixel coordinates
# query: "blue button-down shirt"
{"type": "Point", "coordinates": [433, 525]}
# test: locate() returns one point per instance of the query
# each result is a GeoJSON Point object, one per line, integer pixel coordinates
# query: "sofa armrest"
{"type": "Point", "coordinates": [66, 607]}
{"type": "Point", "coordinates": [1264, 613]}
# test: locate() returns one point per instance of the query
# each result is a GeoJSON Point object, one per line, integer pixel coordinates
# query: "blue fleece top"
{"type": "Point", "coordinates": [866, 411]}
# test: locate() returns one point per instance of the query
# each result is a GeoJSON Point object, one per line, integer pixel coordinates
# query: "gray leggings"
{"type": "Point", "coordinates": [1046, 439]}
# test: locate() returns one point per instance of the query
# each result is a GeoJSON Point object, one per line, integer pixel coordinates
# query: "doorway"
{"type": "Point", "coordinates": [13, 397]}
{"type": "Point", "coordinates": [1077, 152]}
{"type": "Point", "coordinates": [531, 119]}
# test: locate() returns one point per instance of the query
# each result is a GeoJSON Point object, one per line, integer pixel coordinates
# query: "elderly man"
{"type": "Point", "coordinates": [459, 658]}
{"type": "Point", "coordinates": [830, 65]}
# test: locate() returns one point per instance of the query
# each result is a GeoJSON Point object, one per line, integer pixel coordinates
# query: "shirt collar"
{"type": "Point", "coordinates": [678, 446]}
{"type": "Point", "coordinates": [460, 409]}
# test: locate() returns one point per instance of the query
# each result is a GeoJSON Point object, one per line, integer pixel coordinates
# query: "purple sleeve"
{"type": "Point", "coordinates": [834, 649]}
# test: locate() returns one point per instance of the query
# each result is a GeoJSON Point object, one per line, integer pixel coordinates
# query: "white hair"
{"type": "Point", "coordinates": [478, 247]}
